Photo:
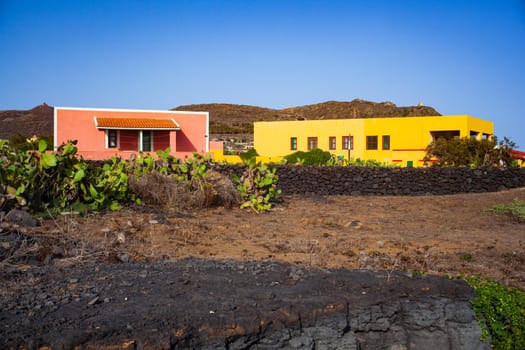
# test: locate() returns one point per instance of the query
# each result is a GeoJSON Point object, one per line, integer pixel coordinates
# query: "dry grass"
{"type": "Point", "coordinates": [164, 191]}
{"type": "Point", "coordinates": [69, 238]}
{"type": "Point", "coordinates": [66, 242]}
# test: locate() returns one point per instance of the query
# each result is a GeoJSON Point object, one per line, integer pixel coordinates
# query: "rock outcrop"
{"type": "Point", "coordinates": [194, 304]}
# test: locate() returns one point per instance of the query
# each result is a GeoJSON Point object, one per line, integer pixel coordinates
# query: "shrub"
{"type": "Point", "coordinates": [41, 179]}
{"type": "Point", "coordinates": [108, 186]}
{"type": "Point", "coordinates": [165, 191]}
{"type": "Point", "coordinates": [369, 163]}
{"type": "Point", "coordinates": [501, 313]}
{"type": "Point", "coordinates": [257, 187]}
{"type": "Point", "coordinates": [249, 155]}
{"type": "Point", "coordinates": [25, 143]}
{"type": "Point", "coordinates": [314, 157]}
{"type": "Point", "coordinates": [470, 152]}
{"type": "Point", "coordinates": [178, 184]}
{"type": "Point", "coordinates": [62, 181]}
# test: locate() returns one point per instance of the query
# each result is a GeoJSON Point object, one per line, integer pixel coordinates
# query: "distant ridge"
{"type": "Point", "coordinates": [231, 118]}
{"type": "Point", "coordinates": [36, 121]}
{"type": "Point", "coordinates": [226, 118]}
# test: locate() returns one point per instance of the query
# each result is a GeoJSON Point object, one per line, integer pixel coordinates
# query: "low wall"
{"type": "Point", "coordinates": [358, 181]}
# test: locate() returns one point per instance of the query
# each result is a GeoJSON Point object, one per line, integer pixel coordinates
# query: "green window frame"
{"type": "Point", "coordinates": [293, 143]}
{"type": "Point", "coordinates": [331, 143]}
{"type": "Point", "coordinates": [386, 142]}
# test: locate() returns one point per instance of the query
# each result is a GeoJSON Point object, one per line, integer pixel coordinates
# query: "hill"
{"type": "Point", "coordinates": [359, 109]}
{"type": "Point", "coordinates": [238, 119]}
{"type": "Point", "coordinates": [226, 119]}
{"type": "Point", "coordinates": [36, 121]}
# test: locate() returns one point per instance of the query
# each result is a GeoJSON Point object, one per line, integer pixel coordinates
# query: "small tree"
{"type": "Point", "coordinates": [470, 152]}
{"type": "Point", "coordinates": [502, 152]}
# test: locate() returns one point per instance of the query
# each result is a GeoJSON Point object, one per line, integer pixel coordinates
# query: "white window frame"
{"type": "Point", "coordinates": [141, 139]}
{"type": "Point", "coordinates": [106, 134]}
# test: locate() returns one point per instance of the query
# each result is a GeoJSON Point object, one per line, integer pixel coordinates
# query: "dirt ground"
{"type": "Point", "coordinates": [444, 235]}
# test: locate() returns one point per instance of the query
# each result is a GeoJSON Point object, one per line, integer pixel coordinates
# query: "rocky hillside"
{"type": "Point", "coordinates": [36, 121]}
{"type": "Point", "coordinates": [226, 119]}
{"type": "Point", "coordinates": [233, 119]}
{"type": "Point", "coordinates": [358, 109]}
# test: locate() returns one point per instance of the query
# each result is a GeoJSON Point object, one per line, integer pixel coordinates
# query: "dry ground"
{"type": "Point", "coordinates": [444, 235]}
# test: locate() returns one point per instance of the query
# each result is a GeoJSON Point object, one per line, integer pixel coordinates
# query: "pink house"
{"type": "Point", "coordinates": [103, 133]}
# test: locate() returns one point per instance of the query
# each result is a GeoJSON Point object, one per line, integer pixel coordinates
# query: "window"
{"type": "Point", "coordinates": [112, 139]}
{"type": "Point", "coordinates": [312, 143]}
{"type": "Point", "coordinates": [146, 141]}
{"type": "Point", "coordinates": [348, 142]}
{"type": "Point", "coordinates": [293, 143]}
{"type": "Point", "coordinates": [447, 135]}
{"type": "Point", "coordinates": [371, 142]}
{"type": "Point", "coordinates": [331, 142]}
{"type": "Point", "coordinates": [386, 141]}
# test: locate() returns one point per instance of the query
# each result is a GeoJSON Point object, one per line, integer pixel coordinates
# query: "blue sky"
{"type": "Point", "coordinates": [460, 57]}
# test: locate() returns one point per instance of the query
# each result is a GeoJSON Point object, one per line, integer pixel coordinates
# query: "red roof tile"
{"type": "Point", "coordinates": [136, 123]}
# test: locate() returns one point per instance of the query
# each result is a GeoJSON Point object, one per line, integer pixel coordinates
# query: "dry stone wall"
{"type": "Point", "coordinates": [358, 181]}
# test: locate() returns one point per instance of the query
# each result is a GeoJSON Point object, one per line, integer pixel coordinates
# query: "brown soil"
{"type": "Point", "coordinates": [443, 235]}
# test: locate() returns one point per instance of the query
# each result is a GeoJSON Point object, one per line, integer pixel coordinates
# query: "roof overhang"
{"type": "Point", "coordinates": [136, 124]}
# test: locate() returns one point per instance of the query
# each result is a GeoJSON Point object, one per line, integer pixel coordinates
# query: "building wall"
{"type": "Point", "coordinates": [161, 140]}
{"type": "Point", "coordinates": [78, 124]}
{"type": "Point", "coordinates": [409, 136]}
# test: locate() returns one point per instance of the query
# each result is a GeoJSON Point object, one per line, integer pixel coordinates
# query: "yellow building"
{"type": "Point", "coordinates": [400, 140]}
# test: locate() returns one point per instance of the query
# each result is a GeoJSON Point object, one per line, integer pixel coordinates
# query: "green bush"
{"type": "Point", "coordinates": [470, 152]}
{"type": "Point", "coordinates": [369, 163]}
{"type": "Point", "coordinates": [319, 157]}
{"type": "Point", "coordinates": [59, 180]}
{"type": "Point", "coordinates": [501, 313]}
{"type": "Point", "coordinates": [45, 180]}
{"type": "Point", "coordinates": [314, 157]}
{"type": "Point", "coordinates": [25, 143]}
{"type": "Point", "coordinates": [257, 187]}
{"type": "Point", "coordinates": [248, 156]}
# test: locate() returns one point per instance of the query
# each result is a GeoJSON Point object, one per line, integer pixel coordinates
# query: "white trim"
{"type": "Point", "coordinates": [141, 143]}
{"type": "Point", "coordinates": [117, 140]}
{"type": "Point", "coordinates": [154, 129]}
{"type": "Point", "coordinates": [207, 136]}
{"type": "Point", "coordinates": [177, 125]}
{"type": "Point", "coordinates": [55, 129]}
{"type": "Point", "coordinates": [128, 110]}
